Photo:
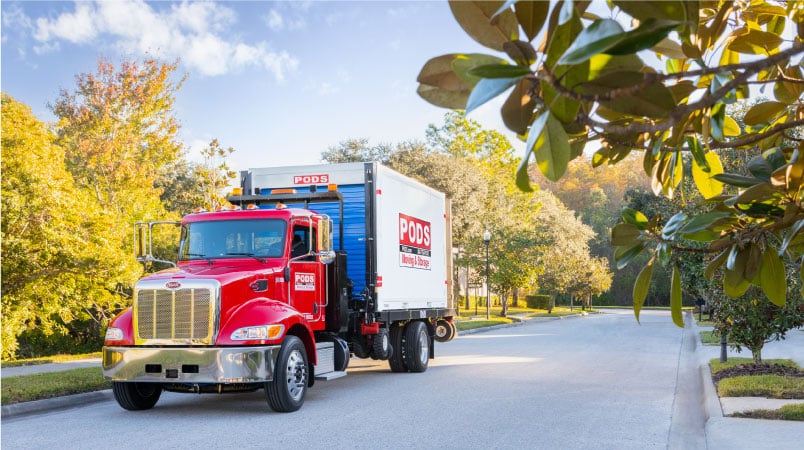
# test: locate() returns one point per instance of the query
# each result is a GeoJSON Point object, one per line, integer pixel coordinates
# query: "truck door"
{"type": "Point", "coordinates": [307, 277]}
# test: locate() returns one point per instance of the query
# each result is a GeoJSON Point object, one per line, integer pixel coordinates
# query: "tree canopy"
{"type": "Point", "coordinates": [577, 78]}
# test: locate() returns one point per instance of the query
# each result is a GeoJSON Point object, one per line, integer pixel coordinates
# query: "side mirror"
{"type": "Point", "coordinates": [324, 239]}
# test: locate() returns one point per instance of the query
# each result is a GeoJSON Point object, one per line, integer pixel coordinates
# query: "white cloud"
{"type": "Point", "coordinates": [195, 32]}
{"type": "Point", "coordinates": [274, 20]}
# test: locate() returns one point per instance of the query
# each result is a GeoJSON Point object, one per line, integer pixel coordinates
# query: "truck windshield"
{"type": "Point", "coordinates": [232, 239]}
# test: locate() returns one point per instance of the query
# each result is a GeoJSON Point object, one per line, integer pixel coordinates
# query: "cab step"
{"type": "Point", "coordinates": [330, 376]}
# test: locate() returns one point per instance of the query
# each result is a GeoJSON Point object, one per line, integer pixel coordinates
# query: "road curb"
{"type": "Point", "coordinates": [55, 403]}
{"type": "Point", "coordinates": [517, 324]}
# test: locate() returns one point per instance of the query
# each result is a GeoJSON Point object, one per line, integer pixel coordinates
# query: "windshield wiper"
{"type": "Point", "coordinates": [262, 260]}
{"type": "Point", "coordinates": [202, 256]}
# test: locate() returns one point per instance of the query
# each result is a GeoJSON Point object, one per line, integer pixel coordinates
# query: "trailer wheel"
{"type": "Point", "coordinates": [444, 331]}
{"type": "Point", "coordinates": [136, 396]}
{"type": "Point", "coordinates": [397, 359]}
{"type": "Point", "coordinates": [417, 347]}
{"type": "Point", "coordinates": [287, 390]}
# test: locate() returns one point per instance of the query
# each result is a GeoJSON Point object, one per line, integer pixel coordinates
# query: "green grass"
{"type": "Point", "coordinates": [25, 388]}
{"type": "Point", "coordinates": [769, 386]}
{"type": "Point", "coordinates": [705, 323]}
{"type": "Point", "coordinates": [712, 338]}
{"type": "Point", "coordinates": [787, 412]}
{"type": "Point", "coordinates": [47, 360]}
{"type": "Point", "coordinates": [717, 366]}
{"type": "Point", "coordinates": [556, 313]}
{"type": "Point", "coordinates": [463, 325]}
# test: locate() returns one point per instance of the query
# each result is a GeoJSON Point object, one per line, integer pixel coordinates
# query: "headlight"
{"type": "Point", "coordinates": [258, 333]}
{"type": "Point", "coordinates": [114, 334]}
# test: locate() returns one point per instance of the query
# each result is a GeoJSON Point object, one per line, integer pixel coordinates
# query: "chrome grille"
{"type": "Point", "coordinates": [175, 316]}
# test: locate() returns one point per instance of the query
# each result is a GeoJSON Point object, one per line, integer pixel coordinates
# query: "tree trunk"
{"type": "Point", "coordinates": [515, 298]}
{"type": "Point", "coordinates": [504, 304]}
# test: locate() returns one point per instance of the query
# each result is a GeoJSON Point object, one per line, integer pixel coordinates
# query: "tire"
{"type": "Point", "coordinates": [444, 331]}
{"type": "Point", "coordinates": [359, 348]}
{"type": "Point", "coordinates": [417, 347]}
{"type": "Point", "coordinates": [136, 396]}
{"type": "Point", "coordinates": [341, 354]}
{"type": "Point", "coordinates": [381, 347]}
{"type": "Point", "coordinates": [397, 359]}
{"type": "Point", "coordinates": [286, 391]}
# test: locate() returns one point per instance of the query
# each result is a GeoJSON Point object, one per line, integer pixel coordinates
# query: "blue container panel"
{"type": "Point", "coordinates": [354, 230]}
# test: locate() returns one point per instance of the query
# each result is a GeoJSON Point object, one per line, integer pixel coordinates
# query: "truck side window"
{"type": "Point", "coordinates": [301, 239]}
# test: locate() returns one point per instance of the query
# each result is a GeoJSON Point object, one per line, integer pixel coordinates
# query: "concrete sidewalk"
{"type": "Point", "coordinates": [732, 433]}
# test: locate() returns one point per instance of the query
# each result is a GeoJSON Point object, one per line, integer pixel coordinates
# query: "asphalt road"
{"type": "Point", "coordinates": [596, 382]}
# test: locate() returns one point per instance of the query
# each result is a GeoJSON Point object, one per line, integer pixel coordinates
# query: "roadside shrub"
{"type": "Point", "coordinates": [539, 301]}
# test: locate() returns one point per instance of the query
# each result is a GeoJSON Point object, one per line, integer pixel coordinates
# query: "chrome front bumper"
{"type": "Point", "coordinates": [190, 365]}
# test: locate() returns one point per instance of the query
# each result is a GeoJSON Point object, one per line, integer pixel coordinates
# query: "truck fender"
{"type": "Point", "coordinates": [265, 311]}
{"type": "Point", "coordinates": [123, 321]}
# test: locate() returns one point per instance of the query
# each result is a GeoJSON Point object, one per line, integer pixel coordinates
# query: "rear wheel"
{"type": "Point", "coordinates": [287, 390]}
{"type": "Point", "coordinates": [136, 396]}
{"type": "Point", "coordinates": [417, 347]}
{"type": "Point", "coordinates": [397, 359]}
{"type": "Point", "coordinates": [381, 345]}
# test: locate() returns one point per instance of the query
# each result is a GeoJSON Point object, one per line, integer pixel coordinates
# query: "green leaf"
{"type": "Point", "coordinates": [601, 35]}
{"type": "Point", "coordinates": [517, 111]}
{"type": "Point", "coordinates": [500, 71]}
{"type": "Point", "coordinates": [649, 33]}
{"type": "Point", "coordinates": [564, 108]}
{"type": "Point", "coordinates": [567, 11]}
{"type": "Point", "coordinates": [522, 177]}
{"type": "Point", "coordinates": [675, 297]}
{"type": "Point", "coordinates": [763, 112]}
{"type": "Point", "coordinates": [668, 10]}
{"type": "Point", "coordinates": [443, 98]}
{"type": "Point", "coordinates": [730, 127]}
{"type": "Point", "coordinates": [716, 263]}
{"type": "Point", "coordinates": [521, 52]}
{"type": "Point", "coordinates": [624, 255]}
{"type": "Point", "coordinates": [531, 17]}
{"type": "Point", "coordinates": [761, 168]}
{"type": "Point", "coordinates": [475, 18]}
{"type": "Point", "coordinates": [755, 42]}
{"type": "Point", "coordinates": [635, 218]}
{"type": "Point", "coordinates": [791, 233]}
{"type": "Point", "coordinates": [462, 63]}
{"type": "Point", "coordinates": [737, 180]}
{"type": "Point", "coordinates": [641, 287]}
{"type": "Point", "coordinates": [703, 221]}
{"type": "Point", "coordinates": [550, 145]}
{"type": "Point", "coordinates": [669, 48]}
{"type": "Point", "coordinates": [705, 181]}
{"type": "Point", "coordinates": [486, 89]}
{"type": "Point", "coordinates": [772, 278]}
{"type": "Point", "coordinates": [673, 225]}
{"type": "Point", "coordinates": [624, 234]}
{"type": "Point", "coordinates": [654, 100]}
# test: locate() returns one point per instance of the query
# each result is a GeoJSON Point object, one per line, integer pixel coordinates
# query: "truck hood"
{"type": "Point", "coordinates": [225, 271]}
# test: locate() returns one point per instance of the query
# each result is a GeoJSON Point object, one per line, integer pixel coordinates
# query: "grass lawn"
{"type": "Point", "coordinates": [769, 386]}
{"type": "Point", "coordinates": [26, 388]}
{"type": "Point", "coordinates": [472, 324]}
{"type": "Point", "coordinates": [787, 412]}
{"type": "Point", "coordinates": [48, 359]}
{"type": "Point", "coordinates": [717, 366]}
{"type": "Point", "coordinates": [712, 338]}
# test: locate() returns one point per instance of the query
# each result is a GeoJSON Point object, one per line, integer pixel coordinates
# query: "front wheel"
{"type": "Point", "coordinates": [287, 390]}
{"type": "Point", "coordinates": [444, 330]}
{"type": "Point", "coordinates": [136, 396]}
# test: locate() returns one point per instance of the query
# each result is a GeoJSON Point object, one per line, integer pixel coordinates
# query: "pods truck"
{"type": "Point", "coordinates": [309, 266]}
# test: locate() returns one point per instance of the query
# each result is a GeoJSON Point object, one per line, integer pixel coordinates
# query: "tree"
{"type": "Point", "coordinates": [586, 85]}
{"type": "Point", "coordinates": [357, 150]}
{"type": "Point", "coordinates": [57, 265]}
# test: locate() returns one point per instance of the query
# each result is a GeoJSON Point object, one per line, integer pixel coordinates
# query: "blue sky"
{"type": "Point", "coordinates": [280, 82]}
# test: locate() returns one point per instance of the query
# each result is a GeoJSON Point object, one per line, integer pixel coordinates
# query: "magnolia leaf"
{"type": "Point", "coordinates": [486, 89]}
{"type": "Point", "coordinates": [761, 168]}
{"type": "Point", "coordinates": [669, 48]}
{"type": "Point", "coordinates": [682, 90]}
{"type": "Point", "coordinates": [462, 63]}
{"type": "Point", "coordinates": [675, 297]}
{"type": "Point", "coordinates": [641, 287]}
{"type": "Point", "coordinates": [789, 92]}
{"type": "Point", "coordinates": [649, 33]}
{"type": "Point", "coordinates": [705, 181]}
{"type": "Point", "coordinates": [791, 233]}
{"type": "Point", "coordinates": [668, 10]}
{"type": "Point", "coordinates": [531, 17]}
{"type": "Point", "coordinates": [564, 108]}
{"type": "Point", "coordinates": [772, 278]}
{"type": "Point", "coordinates": [737, 180]}
{"type": "Point", "coordinates": [598, 37]}
{"type": "Point", "coordinates": [730, 127]}
{"type": "Point", "coordinates": [763, 112]}
{"type": "Point", "coordinates": [624, 234]}
{"type": "Point", "coordinates": [753, 263]}
{"type": "Point", "coordinates": [521, 52]}
{"type": "Point", "coordinates": [673, 225]}
{"type": "Point", "coordinates": [635, 218]}
{"type": "Point", "coordinates": [758, 193]}
{"type": "Point", "coordinates": [567, 11]}
{"type": "Point", "coordinates": [703, 221]}
{"type": "Point", "coordinates": [754, 42]}
{"type": "Point", "coordinates": [522, 177]}
{"type": "Point", "coordinates": [550, 146]}
{"type": "Point", "coordinates": [734, 284]}
{"type": "Point", "coordinates": [475, 17]}
{"type": "Point", "coordinates": [603, 64]}
{"type": "Point", "coordinates": [499, 71]}
{"type": "Point", "coordinates": [438, 72]}
{"type": "Point", "coordinates": [654, 100]}
{"type": "Point", "coordinates": [442, 97]}
{"type": "Point", "coordinates": [517, 111]}
{"type": "Point", "coordinates": [716, 263]}
{"type": "Point", "coordinates": [624, 255]}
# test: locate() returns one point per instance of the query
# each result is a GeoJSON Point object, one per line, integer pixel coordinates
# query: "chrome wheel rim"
{"type": "Point", "coordinates": [424, 347]}
{"type": "Point", "coordinates": [296, 375]}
